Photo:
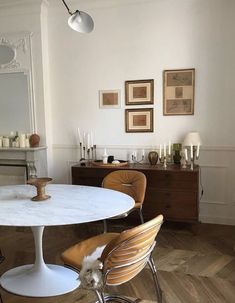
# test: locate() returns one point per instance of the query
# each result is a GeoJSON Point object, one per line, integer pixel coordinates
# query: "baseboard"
{"type": "Point", "coordinates": [217, 220]}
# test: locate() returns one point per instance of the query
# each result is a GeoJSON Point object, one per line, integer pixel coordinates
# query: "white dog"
{"type": "Point", "coordinates": [91, 272]}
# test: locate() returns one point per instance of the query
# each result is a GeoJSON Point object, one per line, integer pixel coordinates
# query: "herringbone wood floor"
{"type": "Point", "coordinates": [193, 268]}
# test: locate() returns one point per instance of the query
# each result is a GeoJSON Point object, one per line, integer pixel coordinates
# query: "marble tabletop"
{"type": "Point", "coordinates": [69, 204]}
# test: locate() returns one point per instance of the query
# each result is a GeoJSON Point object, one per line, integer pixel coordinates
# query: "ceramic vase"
{"type": "Point", "coordinates": [153, 157]}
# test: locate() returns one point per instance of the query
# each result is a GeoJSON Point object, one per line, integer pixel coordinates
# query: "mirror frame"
{"type": "Point", "coordinates": [20, 43]}
{"type": "Point", "coordinates": [5, 42]}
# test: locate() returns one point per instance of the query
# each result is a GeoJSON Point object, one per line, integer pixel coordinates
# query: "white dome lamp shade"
{"type": "Point", "coordinates": [80, 21]}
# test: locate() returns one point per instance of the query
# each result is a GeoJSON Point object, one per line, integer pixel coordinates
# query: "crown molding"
{"type": "Point", "coordinates": [99, 4]}
{"type": "Point", "coordinates": [8, 4]}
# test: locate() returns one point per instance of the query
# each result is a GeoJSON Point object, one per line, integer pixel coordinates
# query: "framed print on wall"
{"type": "Point", "coordinates": [178, 92]}
{"type": "Point", "coordinates": [139, 92]}
{"type": "Point", "coordinates": [139, 120]}
{"type": "Point", "coordinates": [109, 98]}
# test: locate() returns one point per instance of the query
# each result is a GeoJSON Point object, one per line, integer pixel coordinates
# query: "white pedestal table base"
{"type": "Point", "coordinates": [52, 280]}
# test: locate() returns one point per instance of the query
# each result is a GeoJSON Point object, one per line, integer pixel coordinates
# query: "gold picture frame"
{"type": "Point", "coordinates": [139, 120]}
{"type": "Point", "coordinates": [139, 92]}
{"type": "Point", "coordinates": [178, 92]}
{"type": "Point", "coordinates": [109, 99]}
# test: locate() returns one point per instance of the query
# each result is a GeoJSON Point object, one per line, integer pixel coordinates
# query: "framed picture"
{"type": "Point", "coordinates": [139, 120]}
{"type": "Point", "coordinates": [109, 98]}
{"type": "Point", "coordinates": [178, 92]}
{"type": "Point", "coordinates": [139, 92]}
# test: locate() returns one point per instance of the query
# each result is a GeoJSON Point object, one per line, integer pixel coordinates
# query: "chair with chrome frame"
{"type": "Point", "coordinates": [130, 182]}
{"type": "Point", "coordinates": [2, 258]}
{"type": "Point", "coordinates": [123, 257]}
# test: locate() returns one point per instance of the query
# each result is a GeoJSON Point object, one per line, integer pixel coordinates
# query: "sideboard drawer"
{"type": "Point", "coordinates": [174, 205]}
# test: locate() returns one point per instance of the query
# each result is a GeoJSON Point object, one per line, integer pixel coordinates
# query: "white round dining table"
{"type": "Point", "coordinates": [69, 204]}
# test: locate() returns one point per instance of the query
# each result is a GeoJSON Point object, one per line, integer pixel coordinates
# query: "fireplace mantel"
{"type": "Point", "coordinates": [32, 158]}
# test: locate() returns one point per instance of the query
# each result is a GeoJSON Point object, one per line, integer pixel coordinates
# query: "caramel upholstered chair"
{"type": "Point", "coordinates": [124, 256]}
{"type": "Point", "coordinates": [130, 182]}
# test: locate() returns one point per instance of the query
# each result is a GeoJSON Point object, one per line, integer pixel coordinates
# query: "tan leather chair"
{"type": "Point", "coordinates": [123, 257]}
{"type": "Point", "coordinates": [130, 182]}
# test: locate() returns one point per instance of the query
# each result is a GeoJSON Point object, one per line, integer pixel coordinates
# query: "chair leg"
{"type": "Point", "coordinates": [155, 279]}
{"type": "Point", "coordinates": [105, 226]}
{"type": "Point", "coordinates": [141, 216]}
{"type": "Point", "coordinates": [100, 296]}
{"type": "Point", "coordinates": [118, 299]}
{"type": "Point", "coordinates": [1, 301]}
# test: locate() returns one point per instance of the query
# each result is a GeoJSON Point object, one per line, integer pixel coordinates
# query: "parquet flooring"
{"type": "Point", "coordinates": [193, 267]}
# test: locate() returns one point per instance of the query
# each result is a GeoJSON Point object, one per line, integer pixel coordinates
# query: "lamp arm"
{"type": "Point", "coordinates": [69, 11]}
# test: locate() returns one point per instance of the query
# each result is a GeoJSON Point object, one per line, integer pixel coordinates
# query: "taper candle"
{"type": "Point", "coordinates": [160, 151]}
{"type": "Point", "coordinates": [164, 149]}
{"type": "Point", "coordinates": [186, 154]}
{"type": "Point", "coordinates": [191, 151]}
{"type": "Point", "coordinates": [169, 148]}
{"type": "Point", "coordinates": [79, 136]}
{"type": "Point", "coordinates": [198, 147]}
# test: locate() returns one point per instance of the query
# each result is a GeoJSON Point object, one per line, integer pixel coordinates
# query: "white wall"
{"type": "Point", "coordinates": [138, 39]}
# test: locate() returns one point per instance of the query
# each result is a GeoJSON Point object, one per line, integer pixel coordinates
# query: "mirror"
{"type": "Point", "coordinates": [14, 103]}
{"type": "Point", "coordinates": [7, 54]}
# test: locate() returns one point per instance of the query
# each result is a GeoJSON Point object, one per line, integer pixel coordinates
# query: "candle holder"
{"type": "Point", "coordinates": [87, 154]}
{"type": "Point", "coordinates": [40, 184]}
{"type": "Point", "coordinates": [193, 157]}
{"type": "Point", "coordinates": [135, 160]}
{"type": "Point", "coordinates": [164, 162]}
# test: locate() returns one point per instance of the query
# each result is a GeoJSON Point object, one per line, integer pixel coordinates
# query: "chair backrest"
{"type": "Point", "coordinates": [125, 256]}
{"type": "Point", "coordinates": [130, 182]}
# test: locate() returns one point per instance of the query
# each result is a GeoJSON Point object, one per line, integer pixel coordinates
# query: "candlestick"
{"type": "Point", "coordinates": [94, 151]}
{"type": "Point", "coordinates": [198, 147]}
{"type": "Point", "coordinates": [88, 141]}
{"type": "Point", "coordinates": [79, 136]}
{"type": "Point", "coordinates": [164, 162]}
{"type": "Point", "coordinates": [92, 139]}
{"type": "Point", "coordinates": [84, 140]}
{"type": "Point", "coordinates": [191, 151]}
{"type": "Point", "coordinates": [143, 154]}
{"type": "Point", "coordinates": [186, 154]}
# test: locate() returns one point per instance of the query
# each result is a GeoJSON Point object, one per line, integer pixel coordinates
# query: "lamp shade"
{"type": "Point", "coordinates": [192, 138]}
{"type": "Point", "coordinates": [81, 22]}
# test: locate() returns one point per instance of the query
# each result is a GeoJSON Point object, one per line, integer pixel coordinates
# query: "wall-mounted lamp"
{"type": "Point", "coordinates": [80, 21]}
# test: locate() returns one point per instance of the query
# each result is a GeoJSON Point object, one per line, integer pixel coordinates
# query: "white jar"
{"type": "Point", "coordinates": [105, 159]}
{"type": "Point", "coordinates": [5, 142]}
{"type": "Point", "coordinates": [22, 140]}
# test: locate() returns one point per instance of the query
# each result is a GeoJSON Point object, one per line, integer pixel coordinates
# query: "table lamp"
{"type": "Point", "coordinates": [193, 141]}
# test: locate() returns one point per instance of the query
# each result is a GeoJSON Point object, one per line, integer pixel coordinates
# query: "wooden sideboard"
{"type": "Point", "coordinates": [173, 192]}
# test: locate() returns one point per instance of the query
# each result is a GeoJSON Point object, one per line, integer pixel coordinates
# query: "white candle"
{"type": "Point", "coordinates": [92, 139]}
{"type": "Point", "coordinates": [88, 141]}
{"type": "Point", "coordinates": [79, 136]}
{"type": "Point", "coordinates": [105, 152]}
{"type": "Point", "coordinates": [169, 148]}
{"type": "Point", "coordinates": [186, 154]}
{"type": "Point", "coordinates": [84, 139]}
{"type": "Point", "coordinates": [164, 149]}
{"type": "Point", "coordinates": [143, 153]}
{"type": "Point", "coordinates": [191, 151]}
{"type": "Point", "coordinates": [160, 151]}
{"type": "Point", "coordinates": [198, 147]}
